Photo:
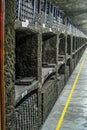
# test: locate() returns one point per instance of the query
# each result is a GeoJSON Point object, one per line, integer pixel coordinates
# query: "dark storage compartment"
{"type": "Point", "coordinates": [26, 57]}
{"type": "Point", "coordinates": [74, 43]}
{"type": "Point", "coordinates": [69, 44]}
{"type": "Point", "coordinates": [73, 62]}
{"type": "Point", "coordinates": [49, 48]}
{"type": "Point", "coordinates": [62, 44]}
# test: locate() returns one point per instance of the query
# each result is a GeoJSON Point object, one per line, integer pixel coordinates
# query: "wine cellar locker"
{"type": "Point", "coordinates": [41, 48]}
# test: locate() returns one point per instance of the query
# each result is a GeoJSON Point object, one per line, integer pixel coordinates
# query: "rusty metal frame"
{"type": "Point", "coordinates": [2, 103]}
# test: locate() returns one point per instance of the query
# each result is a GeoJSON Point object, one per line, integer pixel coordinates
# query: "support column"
{"type": "Point", "coordinates": [75, 51]}
{"type": "Point", "coordinates": [57, 67]}
{"type": "Point", "coordinates": [57, 50]}
{"type": "Point", "coordinates": [40, 59]}
{"type": "Point", "coordinates": [9, 63]}
{"type": "Point", "coordinates": [76, 47]}
{"type": "Point", "coordinates": [39, 79]}
{"type": "Point", "coordinates": [65, 48]}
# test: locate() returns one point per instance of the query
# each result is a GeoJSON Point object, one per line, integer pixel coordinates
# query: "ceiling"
{"type": "Point", "coordinates": [76, 10]}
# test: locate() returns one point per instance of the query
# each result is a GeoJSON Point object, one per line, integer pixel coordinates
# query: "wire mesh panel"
{"type": "Point", "coordinates": [27, 113]}
{"type": "Point", "coordinates": [49, 97]}
{"type": "Point", "coordinates": [39, 12]}
{"type": "Point", "coordinates": [24, 10]}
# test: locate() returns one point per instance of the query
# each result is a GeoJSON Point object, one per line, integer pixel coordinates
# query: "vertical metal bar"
{"type": "Point", "coordinates": [39, 6]}
{"type": "Point", "coordinates": [51, 14]}
{"type": "Point", "coordinates": [34, 9]}
{"type": "Point", "coordinates": [63, 19]}
{"type": "Point", "coordinates": [2, 106]}
{"type": "Point", "coordinates": [51, 8]}
{"type": "Point", "coordinates": [19, 8]}
{"type": "Point", "coordinates": [48, 8]}
{"type": "Point", "coordinates": [56, 14]}
{"type": "Point", "coordinates": [45, 10]}
{"type": "Point", "coordinates": [57, 51]}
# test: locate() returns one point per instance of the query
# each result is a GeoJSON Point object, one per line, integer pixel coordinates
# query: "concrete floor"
{"type": "Point", "coordinates": [76, 114]}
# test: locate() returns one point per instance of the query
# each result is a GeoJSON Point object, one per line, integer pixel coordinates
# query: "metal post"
{"type": "Point", "coordinates": [19, 8]}
{"type": "Point", "coordinates": [45, 10]}
{"type": "Point", "coordinates": [56, 14]}
{"type": "Point", "coordinates": [71, 53]}
{"type": "Point", "coordinates": [39, 35]}
{"type": "Point", "coordinates": [40, 59]}
{"type": "Point", "coordinates": [2, 106]}
{"type": "Point", "coordinates": [34, 9]}
{"type": "Point", "coordinates": [48, 8]}
{"type": "Point", "coordinates": [65, 48]}
{"type": "Point", "coordinates": [51, 15]}
{"type": "Point", "coordinates": [39, 6]}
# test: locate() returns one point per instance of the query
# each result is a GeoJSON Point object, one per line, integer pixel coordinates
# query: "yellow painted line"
{"type": "Point", "coordinates": [70, 95]}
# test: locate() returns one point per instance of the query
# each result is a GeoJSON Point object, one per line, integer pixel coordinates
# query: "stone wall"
{"type": "Point", "coordinates": [9, 61]}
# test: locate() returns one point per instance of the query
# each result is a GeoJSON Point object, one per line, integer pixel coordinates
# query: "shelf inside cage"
{"type": "Point", "coordinates": [25, 81]}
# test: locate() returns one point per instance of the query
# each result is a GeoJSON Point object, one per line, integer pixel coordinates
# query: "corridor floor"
{"type": "Point", "coordinates": [75, 117]}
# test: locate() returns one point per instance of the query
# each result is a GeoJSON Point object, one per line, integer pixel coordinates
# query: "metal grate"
{"type": "Point", "coordinates": [24, 10]}
{"type": "Point", "coordinates": [27, 113]}
{"type": "Point", "coordinates": [49, 97]}
{"type": "Point", "coordinates": [38, 12]}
